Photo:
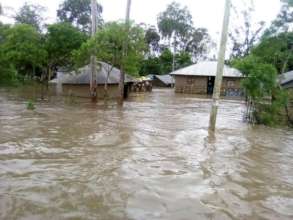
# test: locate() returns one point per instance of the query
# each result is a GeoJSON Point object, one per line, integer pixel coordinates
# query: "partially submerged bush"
{"type": "Point", "coordinates": [262, 90]}
{"type": "Point", "coordinates": [30, 105]}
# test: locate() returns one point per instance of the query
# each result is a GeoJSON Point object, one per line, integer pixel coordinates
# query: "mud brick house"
{"type": "Point", "coordinates": [200, 78]}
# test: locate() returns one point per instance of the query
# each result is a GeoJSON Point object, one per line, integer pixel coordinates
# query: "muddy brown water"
{"type": "Point", "coordinates": [151, 159]}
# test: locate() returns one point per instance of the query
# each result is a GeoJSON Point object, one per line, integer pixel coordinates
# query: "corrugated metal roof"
{"type": "Point", "coordinates": [207, 68]}
{"type": "Point", "coordinates": [286, 78]}
{"type": "Point", "coordinates": [166, 79]}
{"type": "Point", "coordinates": [82, 76]}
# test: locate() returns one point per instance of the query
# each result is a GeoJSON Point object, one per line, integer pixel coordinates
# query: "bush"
{"type": "Point", "coordinates": [262, 90]}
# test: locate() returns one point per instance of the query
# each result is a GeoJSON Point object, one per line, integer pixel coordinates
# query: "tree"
{"type": "Point", "coordinates": [108, 47]}
{"type": "Point", "coordinates": [151, 65]}
{"type": "Point", "coordinates": [8, 74]}
{"type": "Point", "coordinates": [78, 13]}
{"type": "Point", "coordinates": [283, 22]}
{"type": "Point", "coordinates": [61, 40]}
{"type": "Point", "coordinates": [166, 60]}
{"type": "Point", "coordinates": [197, 43]}
{"type": "Point", "coordinates": [277, 50]}
{"type": "Point", "coordinates": [23, 49]}
{"type": "Point", "coordinates": [30, 14]}
{"type": "Point", "coordinates": [152, 39]}
{"type": "Point", "coordinates": [175, 24]}
{"type": "Point", "coordinates": [245, 36]}
{"type": "Point", "coordinates": [260, 84]}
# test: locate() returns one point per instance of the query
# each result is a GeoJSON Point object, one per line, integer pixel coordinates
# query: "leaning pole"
{"type": "Point", "coordinates": [93, 78]}
{"type": "Point", "coordinates": [220, 67]}
{"type": "Point", "coordinates": [125, 45]}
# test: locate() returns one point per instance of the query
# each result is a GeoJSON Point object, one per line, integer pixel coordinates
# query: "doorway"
{"type": "Point", "coordinates": [210, 86]}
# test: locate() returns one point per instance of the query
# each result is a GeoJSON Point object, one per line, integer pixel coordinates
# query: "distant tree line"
{"type": "Point", "coordinates": [32, 49]}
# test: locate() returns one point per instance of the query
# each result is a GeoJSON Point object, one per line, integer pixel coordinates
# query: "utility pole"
{"type": "Point", "coordinates": [93, 82]}
{"type": "Point", "coordinates": [125, 45]}
{"type": "Point", "coordinates": [220, 67]}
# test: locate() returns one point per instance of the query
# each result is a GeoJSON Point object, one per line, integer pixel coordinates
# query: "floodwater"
{"type": "Point", "coordinates": [151, 159]}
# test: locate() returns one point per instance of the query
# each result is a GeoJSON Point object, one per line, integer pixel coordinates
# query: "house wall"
{"type": "Point", "coordinates": [191, 84]}
{"type": "Point", "coordinates": [84, 90]}
{"type": "Point", "coordinates": [198, 85]}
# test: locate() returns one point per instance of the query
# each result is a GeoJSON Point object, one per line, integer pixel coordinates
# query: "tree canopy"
{"type": "Point", "coordinates": [23, 48]}
{"type": "Point", "coordinates": [176, 26]}
{"type": "Point", "coordinates": [78, 13]}
{"type": "Point", "coordinates": [277, 50]}
{"type": "Point", "coordinates": [30, 14]}
{"type": "Point", "coordinates": [246, 34]}
{"type": "Point", "coordinates": [61, 40]}
{"type": "Point", "coordinates": [107, 45]}
{"type": "Point", "coordinates": [283, 22]}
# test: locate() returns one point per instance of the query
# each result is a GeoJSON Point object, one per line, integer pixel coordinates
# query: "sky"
{"type": "Point", "coordinates": [206, 13]}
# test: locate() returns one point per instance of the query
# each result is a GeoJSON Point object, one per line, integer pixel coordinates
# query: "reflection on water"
{"type": "Point", "coordinates": [151, 159]}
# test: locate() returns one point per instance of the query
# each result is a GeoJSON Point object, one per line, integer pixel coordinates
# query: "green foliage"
{"type": "Point", "coordinates": [30, 105]}
{"type": "Point", "coordinates": [30, 14]}
{"type": "Point", "coordinates": [175, 24]}
{"type": "Point", "coordinates": [175, 20]}
{"type": "Point", "coordinates": [277, 50]}
{"type": "Point", "coordinates": [246, 34]}
{"type": "Point", "coordinates": [182, 59]}
{"type": "Point", "coordinates": [283, 22]}
{"type": "Point", "coordinates": [108, 47]}
{"type": "Point", "coordinates": [61, 40]}
{"type": "Point", "coordinates": [260, 77]}
{"type": "Point", "coordinates": [163, 64]}
{"type": "Point", "coordinates": [262, 89]}
{"type": "Point", "coordinates": [152, 39]}
{"type": "Point", "coordinates": [23, 49]}
{"type": "Point", "coordinates": [151, 65]}
{"type": "Point", "coordinates": [166, 61]}
{"type": "Point", "coordinates": [78, 13]}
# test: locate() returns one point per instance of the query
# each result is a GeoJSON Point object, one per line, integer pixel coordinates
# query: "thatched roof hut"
{"type": "Point", "coordinates": [77, 82]}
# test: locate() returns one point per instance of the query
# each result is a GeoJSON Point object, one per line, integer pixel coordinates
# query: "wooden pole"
{"type": "Point", "coordinates": [125, 45]}
{"type": "Point", "coordinates": [220, 67]}
{"type": "Point", "coordinates": [93, 82]}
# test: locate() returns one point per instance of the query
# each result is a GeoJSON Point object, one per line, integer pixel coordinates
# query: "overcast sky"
{"type": "Point", "coordinates": [206, 13]}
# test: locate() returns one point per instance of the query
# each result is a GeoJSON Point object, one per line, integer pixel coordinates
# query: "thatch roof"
{"type": "Point", "coordinates": [83, 75]}
{"type": "Point", "coordinates": [207, 68]}
{"type": "Point", "coordinates": [286, 78]}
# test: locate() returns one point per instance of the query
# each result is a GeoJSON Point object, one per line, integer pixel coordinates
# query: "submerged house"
{"type": "Point", "coordinates": [200, 78]}
{"type": "Point", "coordinates": [76, 83]}
{"type": "Point", "coordinates": [163, 80]}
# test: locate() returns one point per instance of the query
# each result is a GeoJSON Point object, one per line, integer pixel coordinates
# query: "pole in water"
{"type": "Point", "coordinates": [125, 45]}
{"type": "Point", "coordinates": [220, 67]}
{"type": "Point", "coordinates": [93, 78]}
